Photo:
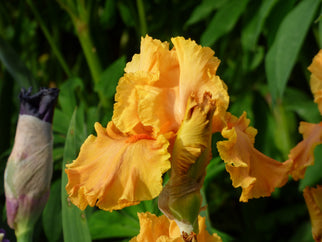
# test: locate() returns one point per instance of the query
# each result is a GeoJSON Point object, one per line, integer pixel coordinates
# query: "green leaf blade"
{"type": "Point", "coordinates": [52, 216]}
{"type": "Point", "coordinates": [252, 31]}
{"type": "Point", "coordinates": [223, 21]}
{"type": "Point", "coordinates": [74, 220]}
{"type": "Point", "coordinates": [115, 224]}
{"type": "Point", "coordinates": [282, 55]}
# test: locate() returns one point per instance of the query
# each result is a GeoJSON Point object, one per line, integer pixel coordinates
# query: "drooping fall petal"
{"type": "Point", "coordinates": [114, 170]}
{"type": "Point", "coordinates": [316, 79]}
{"type": "Point", "coordinates": [302, 155]}
{"type": "Point", "coordinates": [313, 200]}
{"type": "Point", "coordinates": [257, 174]}
{"type": "Point", "coordinates": [161, 229]}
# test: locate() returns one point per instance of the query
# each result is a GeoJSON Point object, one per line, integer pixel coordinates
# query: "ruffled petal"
{"type": "Point", "coordinates": [161, 229]}
{"type": "Point", "coordinates": [257, 174]}
{"type": "Point", "coordinates": [316, 79]}
{"type": "Point", "coordinates": [198, 68]}
{"type": "Point", "coordinates": [158, 82]}
{"type": "Point", "coordinates": [302, 155]}
{"type": "Point", "coordinates": [113, 170]}
{"type": "Point", "coordinates": [156, 109]}
{"type": "Point", "coordinates": [313, 200]}
{"type": "Point", "coordinates": [155, 58]}
{"type": "Point", "coordinates": [126, 114]}
{"type": "Point", "coordinates": [153, 228]}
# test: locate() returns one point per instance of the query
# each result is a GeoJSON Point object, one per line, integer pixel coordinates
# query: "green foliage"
{"type": "Point", "coordinates": [82, 48]}
{"type": "Point", "coordinates": [282, 55]}
{"type": "Point", "coordinates": [74, 220]}
{"type": "Point", "coordinates": [52, 214]}
{"type": "Point", "coordinates": [113, 225]}
{"type": "Point", "coordinates": [313, 175]}
{"type": "Point", "coordinates": [223, 21]}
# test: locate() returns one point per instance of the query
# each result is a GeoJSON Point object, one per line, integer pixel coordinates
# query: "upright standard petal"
{"type": "Point", "coordinates": [114, 170]}
{"type": "Point", "coordinates": [126, 114]}
{"type": "Point", "coordinates": [161, 229]}
{"type": "Point", "coordinates": [154, 91]}
{"type": "Point", "coordinates": [302, 155]}
{"type": "Point", "coordinates": [198, 67]}
{"type": "Point", "coordinates": [257, 174]}
{"type": "Point", "coordinates": [316, 79]}
{"type": "Point", "coordinates": [313, 200]}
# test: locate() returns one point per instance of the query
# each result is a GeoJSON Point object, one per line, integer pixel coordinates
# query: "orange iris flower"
{"type": "Point", "coordinates": [313, 199]}
{"type": "Point", "coordinates": [302, 155]}
{"type": "Point", "coordinates": [161, 229]}
{"type": "Point", "coordinates": [124, 163]}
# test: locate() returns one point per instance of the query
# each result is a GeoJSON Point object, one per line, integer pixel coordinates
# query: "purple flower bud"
{"type": "Point", "coordinates": [40, 105]}
{"type": "Point", "coordinates": [29, 168]}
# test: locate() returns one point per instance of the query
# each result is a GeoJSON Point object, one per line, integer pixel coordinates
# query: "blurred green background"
{"type": "Point", "coordinates": [82, 47]}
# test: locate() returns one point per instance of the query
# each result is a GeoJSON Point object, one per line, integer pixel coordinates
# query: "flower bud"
{"type": "Point", "coordinates": [29, 168]}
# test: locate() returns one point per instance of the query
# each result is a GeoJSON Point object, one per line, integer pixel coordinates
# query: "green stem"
{"type": "Point", "coordinates": [50, 40]}
{"type": "Point", "coordinates": [89, 49]}
{"type": "Point", "coordinates": [25, 235]}
{"type": "Point", "coordinates": [80, 18]}
{"type": "Point", "coordinates": [143, 25]}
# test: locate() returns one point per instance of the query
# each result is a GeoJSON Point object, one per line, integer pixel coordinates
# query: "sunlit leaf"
{"type": "Point", "coordinates": [282, 55]}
